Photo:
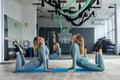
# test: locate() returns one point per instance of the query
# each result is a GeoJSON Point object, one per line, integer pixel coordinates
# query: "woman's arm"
{"type": "Point", "coordinates": [44, 56]}
{"type": "Point", "coordinates": [47, 52]}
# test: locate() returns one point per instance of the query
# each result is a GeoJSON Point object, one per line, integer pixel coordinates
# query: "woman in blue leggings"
{"type": "Point", "coordinates": [78, 52]}
{"type": "Point", "coordinates": [57, 51]}
{"type": "Point", "coordinates": [42, 51]}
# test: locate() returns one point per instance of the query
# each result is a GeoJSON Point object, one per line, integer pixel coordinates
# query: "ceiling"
{"type": "Point", "coordinates": [102, 13]}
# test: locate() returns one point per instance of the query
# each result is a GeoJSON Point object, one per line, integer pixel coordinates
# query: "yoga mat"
{"type": "Point", "coordinates": [57, 70]}
{"type": "Point", "coordinates": [60, 58]}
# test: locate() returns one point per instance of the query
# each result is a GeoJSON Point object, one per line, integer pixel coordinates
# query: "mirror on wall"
{"type": "Point", "coordinates": [17, 26]}
{"type": "Point", "coordinates": [12, 32]}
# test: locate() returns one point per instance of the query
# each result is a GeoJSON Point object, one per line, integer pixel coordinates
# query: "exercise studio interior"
{"type": "Point", "coordinates": [59, 39]}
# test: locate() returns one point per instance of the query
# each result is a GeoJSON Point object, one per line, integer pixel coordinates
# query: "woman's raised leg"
{"type": "Point", "coordinates": [85, 54]}
{"type": "Point", "coordinates": [96, 57]}
{"type": "Point", "coordinates": [18, 61]}
{"type": "Point", "coordinates": [22, 59]}
{"type": "Point", "coordinates": [101, 60]}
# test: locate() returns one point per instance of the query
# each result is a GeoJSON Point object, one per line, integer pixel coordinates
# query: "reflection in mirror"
{"type": "Point", "coordinates": [12, 32]}
{"type": "Point", "coordinates": [19, 24]}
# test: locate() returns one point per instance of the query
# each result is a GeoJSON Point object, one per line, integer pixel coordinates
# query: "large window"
{"type": "Point", "coordinates": [111, 29]}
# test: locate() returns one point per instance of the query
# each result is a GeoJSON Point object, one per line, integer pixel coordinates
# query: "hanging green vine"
{"type": "Point", "coordinates": [78, 12]}
{"type": "Point", "coordinates": [58, 21]}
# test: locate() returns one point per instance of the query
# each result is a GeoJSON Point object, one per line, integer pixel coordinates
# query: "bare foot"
{"type": "Point", "coordinates": [100, 51]}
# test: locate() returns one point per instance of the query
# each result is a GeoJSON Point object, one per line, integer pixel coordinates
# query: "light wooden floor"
{"type": "Point", "coordinates": [112, 71]}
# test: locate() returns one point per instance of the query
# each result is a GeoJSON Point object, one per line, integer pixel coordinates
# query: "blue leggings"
{"type": "Point", "coordinates": [43, 52]}
{"type": "Point", "coordinates": [57, 53]}
{"type": "Point", "coordinates": [85, 63]}
{"type": "Point", "coordinates": [22, 66]}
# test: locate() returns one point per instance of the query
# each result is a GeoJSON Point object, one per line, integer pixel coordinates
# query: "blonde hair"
{"type": "Point", "coordinates": [35, 45]}
{"type": "Point", "coordinates": [80, 41]}
{"type": "Point", "coordinates": [55, 46]}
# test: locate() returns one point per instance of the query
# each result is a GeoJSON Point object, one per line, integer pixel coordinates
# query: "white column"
{"type": "Point", "coordinates": [117, 28]}
{"type": "Point", "coordinates": [118, 25]}
{"type": "Point", "coordinates": [1, 33]}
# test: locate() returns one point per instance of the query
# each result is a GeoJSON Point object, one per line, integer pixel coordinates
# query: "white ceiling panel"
{"type": "Point", "coordinates": [24, 2]}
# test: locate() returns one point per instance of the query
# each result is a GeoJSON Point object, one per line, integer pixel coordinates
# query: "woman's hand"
{"type": "Point", "coordinates": [42, 41]}
{"type": "Point", "coordinates": [71, 69]}
{"type": "Point", "coordinates": [48, 70]}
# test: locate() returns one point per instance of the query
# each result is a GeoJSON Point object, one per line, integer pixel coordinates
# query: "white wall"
{"type": "Point", "coordinates": [13, 10]}
{"type": "Point", "coordinates": [24, 14]}
{"type": "Point", "coordinates": [14, 29]}
{"type": "Point", "coordinates": [29, 23]}
{"type": "Point", "coordinates": [1, 33]}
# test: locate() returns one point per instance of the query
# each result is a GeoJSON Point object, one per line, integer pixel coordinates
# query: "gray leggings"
{"type": "Point", "coordinates": [43, 52]}
{"type": "Point", "coordinates": [85, 63]}
{"type": "Point", "coordinates": [22, 66]}
{"type": "Point", "coordinates": [57, 53]}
